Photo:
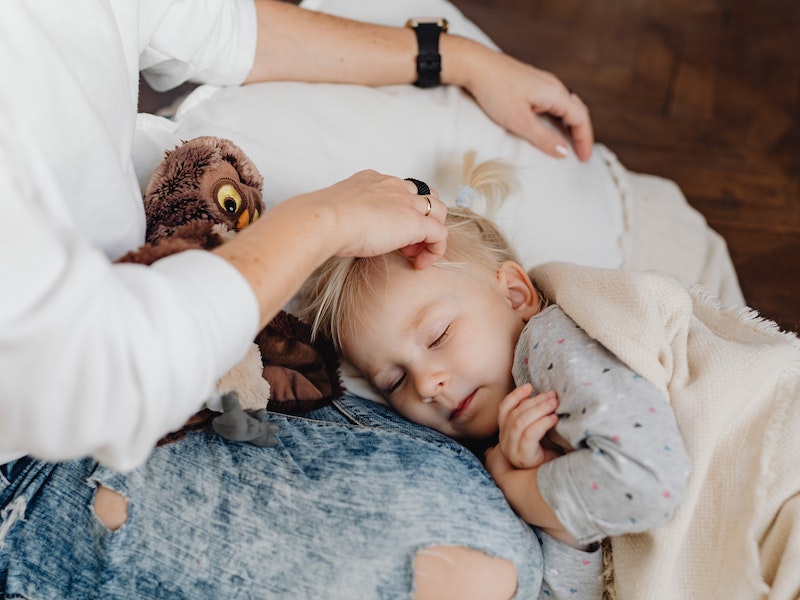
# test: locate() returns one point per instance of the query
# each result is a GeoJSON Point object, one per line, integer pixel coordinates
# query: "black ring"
{"type": "Point", "coordinates": [422, 187]}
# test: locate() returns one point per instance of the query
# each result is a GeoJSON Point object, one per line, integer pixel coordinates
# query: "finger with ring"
{"type": "Point", "coordinates": [422, 187]}
{"type": "Point", "coordinates": [429, 207]}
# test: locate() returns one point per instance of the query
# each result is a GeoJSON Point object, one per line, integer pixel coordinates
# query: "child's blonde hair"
{"type": "Point", "coordinates": [332, 297]}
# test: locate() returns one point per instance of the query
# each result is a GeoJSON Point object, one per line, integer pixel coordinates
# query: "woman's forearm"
{"type": "Point", "coordinates": [303, 45]}
{"type": "Point", "coordinates": [278, 252]}
{"type": "Point", "coordinates": [295, 44]}
{"type": "Point", "coordinates": [367, 214]}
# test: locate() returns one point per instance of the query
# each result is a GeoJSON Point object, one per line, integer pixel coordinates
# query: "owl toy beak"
{"type": "Point", "coordinates": [252, 207]}
{"type": "Point", "coordinates": [244, 219]}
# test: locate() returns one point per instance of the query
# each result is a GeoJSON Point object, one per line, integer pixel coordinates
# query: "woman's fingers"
{"type": "Point", "coordinates": [379, 213]}
{"type": "Point", "coordinates": [423, 254]}
{"type": "Point", "coordinates": [575, 120]}
{"type": "Point", "coordinates": [579, 122]}
{"type": "Point", "coordinates": [430, 204]}
{"type": "Point", "coordinates": [514, 94]}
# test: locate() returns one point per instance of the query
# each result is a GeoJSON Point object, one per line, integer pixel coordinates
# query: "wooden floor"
{"type": "Point", "coordinates": [703, 92]}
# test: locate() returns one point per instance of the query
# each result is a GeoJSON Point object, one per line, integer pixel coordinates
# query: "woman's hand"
{"type": "Point", "coordinates": [345, 51]}
{"type": "Point", "coordinates": [365, 215]}
{"type": "Point", "coordinates": [375, 214]}
{"type": "Point", "coordinates": [513, 93]}
{"type": "Point", "coordinates": [524, 421]}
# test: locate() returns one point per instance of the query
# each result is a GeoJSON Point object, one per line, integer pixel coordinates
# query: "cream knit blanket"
{"type": "Point", "coordinates": [734, 382]}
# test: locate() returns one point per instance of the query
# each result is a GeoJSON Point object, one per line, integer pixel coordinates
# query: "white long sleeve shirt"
{"type": "Point", "coordinates": [96, 358]}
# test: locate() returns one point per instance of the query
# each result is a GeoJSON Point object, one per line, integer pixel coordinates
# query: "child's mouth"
{"type": "Point", "coordinates": [462, 407]}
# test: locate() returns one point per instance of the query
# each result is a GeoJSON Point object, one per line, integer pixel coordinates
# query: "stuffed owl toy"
{"type": "Point", "coordinates": [200, 195]}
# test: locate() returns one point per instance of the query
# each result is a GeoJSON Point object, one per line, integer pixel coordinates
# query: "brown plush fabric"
{"type": "Point", "coordinates": [184, 211]}
{"type": "Point", "coordinates": [197, 235]}
{"type": "Point", "coordinates": [303, 374]}
{"type": "Point", "coordinates": [176, 194]}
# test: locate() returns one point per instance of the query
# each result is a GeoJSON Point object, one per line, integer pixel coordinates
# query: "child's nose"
{"type": "Point", "coordinates": [430, 383]}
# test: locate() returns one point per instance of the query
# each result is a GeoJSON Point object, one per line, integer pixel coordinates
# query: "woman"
{"type": "Point", "coordinates": [130, 352]}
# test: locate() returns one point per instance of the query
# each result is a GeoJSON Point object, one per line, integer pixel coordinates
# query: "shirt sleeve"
{"type": "Point", "coordinates": [569, 572]}
{"type": "Point", "coordinates": [213, 41]}
{"type": "Point", "coordinates": [628, 466]}
{"type": "Point", "coordinates": [98, 358]}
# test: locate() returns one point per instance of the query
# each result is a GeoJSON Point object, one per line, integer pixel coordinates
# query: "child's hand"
{"type": "Point", "coordinates": [524, 421]}
{"type": "Point", "coordinates": [521, 489]}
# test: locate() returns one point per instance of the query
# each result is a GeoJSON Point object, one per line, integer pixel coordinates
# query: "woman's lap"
{"type": "Point", "coordinates": [337, 509]}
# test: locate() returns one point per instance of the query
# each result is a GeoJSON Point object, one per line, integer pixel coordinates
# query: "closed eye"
{"type": "Point", "coordinates": [440, 340]}
{"type": "Point", "coordinates": [393, 388]}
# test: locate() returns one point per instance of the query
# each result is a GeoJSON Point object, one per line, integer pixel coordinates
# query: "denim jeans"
{"type": "Point", "coordinates": [338, 509]}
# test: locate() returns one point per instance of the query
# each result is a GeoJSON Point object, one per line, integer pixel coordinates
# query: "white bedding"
{"type": "Point", "coordinates": [307, 136]}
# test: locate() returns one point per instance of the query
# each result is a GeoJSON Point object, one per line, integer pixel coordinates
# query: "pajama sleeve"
{"type": "Point", "coordinates": [569, 572]}
{"type": "Point", "coordinates": [628, 466]}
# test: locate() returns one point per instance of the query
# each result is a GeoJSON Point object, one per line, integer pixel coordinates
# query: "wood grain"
{"type": "Point", "coordinates": [703, 92]}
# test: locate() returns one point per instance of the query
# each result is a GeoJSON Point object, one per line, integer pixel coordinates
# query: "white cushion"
{"type": "Point", "coordinates": [306, 136]}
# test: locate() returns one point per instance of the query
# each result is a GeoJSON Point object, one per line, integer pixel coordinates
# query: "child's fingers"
{"type": "Point", "coordinates": [530, 429]}
{"type": "Point", "coordinates": [535, 431]}
{"type": "Point", "coordinates": [532, 409]}
{"type": "Point", "coordinates": [512, 401]}
{"type": "Point", "coordinates": [513, 407]}
{"type": "Point", "coordinates": [531, 418]}
{"type": "Point", "coordinates": [525, 451]}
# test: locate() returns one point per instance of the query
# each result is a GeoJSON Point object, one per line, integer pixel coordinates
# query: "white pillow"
{"type": "Point", "coordinates": [308, 136]}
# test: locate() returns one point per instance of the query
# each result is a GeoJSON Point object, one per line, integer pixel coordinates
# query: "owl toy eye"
{"type": "Point", "coordinates": [229, 198]}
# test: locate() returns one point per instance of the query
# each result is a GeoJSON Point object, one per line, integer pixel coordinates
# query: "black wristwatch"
{"type": "Point", "coordinates": [429, 61]}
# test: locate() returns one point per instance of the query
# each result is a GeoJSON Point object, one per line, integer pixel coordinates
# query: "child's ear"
{"type": "Point", "coordinates": [519, 289]}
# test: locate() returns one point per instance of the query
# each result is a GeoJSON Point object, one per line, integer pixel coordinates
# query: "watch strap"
{"type": "Point", "coordinates": [429, 61]}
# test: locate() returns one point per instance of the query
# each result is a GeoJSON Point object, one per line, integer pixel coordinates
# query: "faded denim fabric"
{"type": "Point", "coordinates": [337, 509]}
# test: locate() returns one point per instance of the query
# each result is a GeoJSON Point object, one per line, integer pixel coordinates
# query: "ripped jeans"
{"type": "Point", "coordinates": [337, 509]}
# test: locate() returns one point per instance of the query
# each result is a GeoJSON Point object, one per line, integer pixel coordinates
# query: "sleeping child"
{"type": "Point", "coordinates": [575, 374]}
{"type": "Point", "coordinates": [441, 347]}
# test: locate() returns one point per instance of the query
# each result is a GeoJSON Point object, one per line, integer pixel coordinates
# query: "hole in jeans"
{"type": "Point", "coordinates": [461, 573]}
{"type": "Point", "coordinates": [111, 507]}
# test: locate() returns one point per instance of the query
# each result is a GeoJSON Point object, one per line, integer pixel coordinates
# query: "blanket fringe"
{"type": "Point", "coordinates": [747, 316]}
{"type": "Point", "coordinates": [609, 590]}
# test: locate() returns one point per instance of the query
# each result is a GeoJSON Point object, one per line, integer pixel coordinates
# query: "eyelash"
{"type": "Point", "coordinates": [440, 340]}
{"type": "Point", "coordinates": [435, 344]}
{"type": "Point", "coordinates": [393, 388]}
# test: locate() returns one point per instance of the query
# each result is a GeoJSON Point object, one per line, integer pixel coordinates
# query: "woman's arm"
{"type": "Point", "coordinates": [365, 215]}
{"type": "Point", "coordinates": [295, 44]}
